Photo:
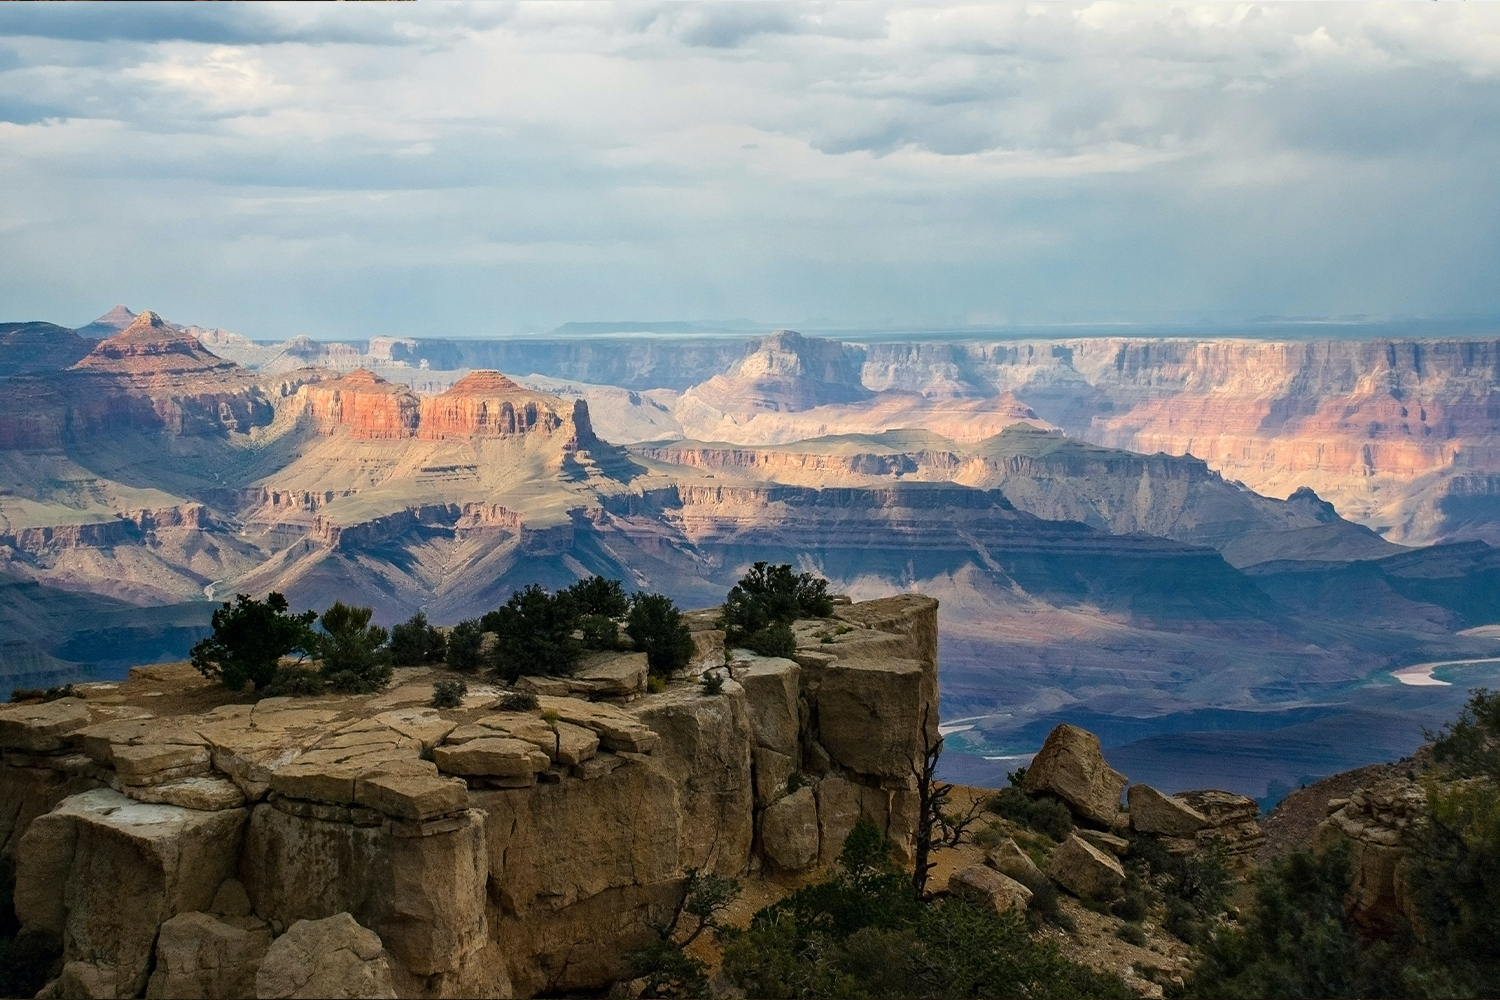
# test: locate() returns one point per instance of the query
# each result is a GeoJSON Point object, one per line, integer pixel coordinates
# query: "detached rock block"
{"type": "Point", "coordinates": [206, 792]}
{"type": "Point", "coordinates": [1154, 812]}
{"type": "Point", "coordinates": [987, 886]}
{"type": "Point", "coordinates": [613, 675]}
{"type": "Point", "coordinates": [870, 714]}
{"type": "Point", "coordinates": [139, 765]}
{"type": "Point", "coordinates": [789, 831]}
{"type": "Point", "coordinates": [41, 728]}
{"type": "Point", "coordinates": [334, 958]}
{"type": "Point", "coordinates": [1084, 870]}
{"type": "Point", "coordinates": [498, 756]}
{"type": "Point", "coordinates": [199, 955]}
{"type": "Point", "coordinates": [1071, 766]}
{"type": "Point", "coordinates": [771, 771]}
{"type": "Point", "coordinates": [1009, 859]}
{"type": "Point", "coordinates": [771, 689]}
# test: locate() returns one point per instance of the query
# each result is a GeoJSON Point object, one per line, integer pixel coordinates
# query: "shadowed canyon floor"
{"type": "Point", "coordinates": [1182, 614]}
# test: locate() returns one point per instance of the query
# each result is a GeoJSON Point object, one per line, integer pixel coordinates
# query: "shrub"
{"type": "Point", "coordinates": [597, 596]}
{"type": "Point", "coordinates": [1042, 814]}
{"type": "Point", "coordinates": [534, 634]}
{"type": "Point", "coordinates": [773, 640]}
{"type": "Point", "coordinates": [295, 682]}
{"type": "Point", "coordinates": [863, 934]}
{"type": "Point", "coordinates": [1132, 933]}
{"type": "Point", "coordinates": [465, 643]}
{"type": "Point", "coordinates": [449, 694]}
{"type": "Point", "coordinates": [40, 694]}
{"type": "Point", "coordinates": [599, 632]}
{"type": "Point", "coordinates": [713, 683]}
{"type": "Point", "coordinates": [656, 684]}
{"type": "Point", "coordinates": [794, 781]}
{"type": "Point", "coordinates": [518, 701]}
{"type": "Point", "coordinates": [656, 628]}
{"type": "Point", "coordinates": [350, 648]}
{"type": "Point", "coordinates": [415, 643]}
{"type": "Point", "coordinates": [770, 595]}
{"type": "Point", "coordinates": [249, 639]}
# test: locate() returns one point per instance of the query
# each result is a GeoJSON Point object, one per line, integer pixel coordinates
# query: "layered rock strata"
{"type": "Point", "coordinates": [485, 851]}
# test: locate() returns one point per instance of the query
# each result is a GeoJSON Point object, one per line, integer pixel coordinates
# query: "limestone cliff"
{"type": "Point", "coordinates": [491, 854]}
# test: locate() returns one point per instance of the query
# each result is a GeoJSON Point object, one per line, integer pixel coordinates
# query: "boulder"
{"type": "Point", "coordinates": [1084, 870]}
{"type": "Point", "coordinates": [1071, 766]}
{"type": "Point", "coordinates": [497, 756]}
{"type": "Point", "coordinates": [770, 685]}
{"type": "Point", "coordinates": [41, 728]}
{"type": "Point", "coordinates": [772, 770]}
{"type": "Point", "coordinates": [708, 651]}
{"type": "Point", "coordinates": [569, 745]}
{"type": "Point", "coordinates": [1233, 825]}
{"type": "Point", "coordinates": [1154, 812]}
{"type": "Point", "coordinates": [789, 831]}
{"type": "Point", "coordinates": [987, 886]}
{"type": "Point", "coordinates": [612, 675]}
{"type": "Point", "coordinates": [103, 872]}
{"type": "Point", "coordinates": [200, 955]}
{"type": "Point", "coordinates": [334, 958]}
{"type": "Point", "coordinates": [207, 792]}
{"type": "Point", "coordinates": [1009, 859]}
{"type": "Point", "coordinates": [618, 730]}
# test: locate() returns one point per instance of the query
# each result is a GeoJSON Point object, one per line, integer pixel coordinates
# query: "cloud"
{"type": "Point", "coordinates": [356, 169]}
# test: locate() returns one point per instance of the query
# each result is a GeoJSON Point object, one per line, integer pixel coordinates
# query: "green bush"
{"type": "Point", "coordinates": [862, 934]}
{"type": "Point", "coordinates": [772, 595]}
{"type": "Point", "coordinates": [773, 640]}
{"type": "Point", "coordinates": [415, 643]}
{"type": "Point", "coordinates": [599, 632]}
{"type": "Point", "coordinates": [1132, 933]}
{"type": "Point", "coordinates": [449, 694]}
{"type": "Point", "coordinates": [534, 634]}
{"type": "Point", "coordinates": [519, 701]}
{"type": "Point", "coordinates": [465, 643]}
{"type": "Point", "coordinates": [656, 628]}
{"type": "Point", "coordinates": [350, 648]}
{"type": "Point", "coordinates": [713, 683]}
{"type": "Point", "coordinates": [597, 596]}
{"type": "Point", "coordinates": [249, 639]}
{"type": "Point", "coordinates": [295, 682]}
{"type": "Point", "coordinates": [1042, 814]}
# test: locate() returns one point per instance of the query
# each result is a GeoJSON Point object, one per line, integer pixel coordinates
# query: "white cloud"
{"type": "Point", "coordinates": [491, 166]}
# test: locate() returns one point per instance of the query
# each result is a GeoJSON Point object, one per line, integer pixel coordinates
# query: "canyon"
{"type": "Point", "coordinates": [1089, 563]}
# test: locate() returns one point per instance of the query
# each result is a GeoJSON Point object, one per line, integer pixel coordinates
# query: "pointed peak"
{"type": "Point", "coordinates": [484, 383]}
{"type": "Point", "coordinates": [119, 317]}
{"type": "Point", "coordinates": [147, 328]}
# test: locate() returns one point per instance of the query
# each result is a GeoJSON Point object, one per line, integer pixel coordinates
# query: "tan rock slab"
{"type": "Point", "coordinates": [614, 675]}
{"type": "Point", "coordinates": [334, 958]}
{"type": "Point", "coordinates": [870, 714]}
{"type": "Point", "coordinates": [1118, 846]}
{"type": "Point", "coordinates": [424, 725]}
{"type": "Point", "coordinates": [137, 764]}
{"type": "Point", "coordinates": [989, 887]}
{"type": "Point", "coordinates": [597, 766]}
{"type": "Point", "coordinates": [570, 745]}
{"type": "Point", "coordinates": [43, 728]}
{"type": "Point", "coordinates": [1071, 766]}
{"type": "Point", "coordinates": [412, 796]}
{"type": "Point", "coordinates": [207, 792]}
{"type": "Point", "coordinates": [618, 730]}
{"type": "Point", "coordinates": [498, 756]}
{"type": "Point", "coordinates": [1084, 870]}
{"type": "Point", "coordinates": [838, 811]}
{"type": "Point", "coordinates": [1152, 811]}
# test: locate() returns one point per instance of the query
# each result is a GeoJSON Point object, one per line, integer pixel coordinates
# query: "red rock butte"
{"type": "Point", "coordinates": [367, 404]}
{"type": "Point", "coordinates": [487, 404]}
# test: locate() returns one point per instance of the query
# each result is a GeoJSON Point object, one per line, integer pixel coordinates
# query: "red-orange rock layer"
{"type": "Point", "coordinates": [487, 404]}
{"type": "Point", "coordinates": [367, 404]}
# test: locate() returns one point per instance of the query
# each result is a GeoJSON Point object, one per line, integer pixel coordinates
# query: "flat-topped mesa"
{"type": "Point", "coordinates": [151, 347]}
{"type": "Point", "coordinates": [786, 374]}
{"type": "Point", "coordinates": [487, 404]}
{"type": "Point", "coordinates": [367, 404]}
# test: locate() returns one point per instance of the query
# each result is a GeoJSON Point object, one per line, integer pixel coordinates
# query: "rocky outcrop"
{"type": "Point", "coordinates": [487, 404]}
{"type": "Point", "coordinates": [1153, 812]}
{"type": "Point", "coordinates": [369, 406]}
{"type": "Point", "coordinates": [1085, 870]}
{"type": "Point", "coordinates": [1233, 826]}
{"type": "Point", "coordinates": [333, 957]}
{"type": "Point", "coordinates": [989, 887]}
{"type": "Point", "coordinates": [1071, 766]}
{"type": "Point", "coordinates": [472, 851]}
{"type": "Point", "coordinates": [1377, 823]}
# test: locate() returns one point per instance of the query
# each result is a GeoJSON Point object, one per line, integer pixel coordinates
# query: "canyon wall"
{"type": "Point", "coordinates": [488, 851]}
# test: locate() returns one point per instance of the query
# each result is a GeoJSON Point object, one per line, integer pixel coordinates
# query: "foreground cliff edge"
{"type": "Point", "coordinates": [171, 835]}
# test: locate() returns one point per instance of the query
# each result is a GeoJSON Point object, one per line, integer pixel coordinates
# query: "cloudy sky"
{"type": "Point", "coordinates": [488, 169]}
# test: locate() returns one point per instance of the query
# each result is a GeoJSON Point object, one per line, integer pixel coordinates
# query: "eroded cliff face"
{"type": "Point", "coordinates": [492, 855]}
